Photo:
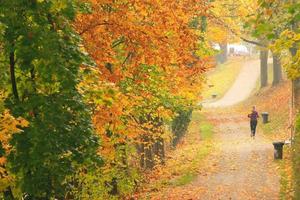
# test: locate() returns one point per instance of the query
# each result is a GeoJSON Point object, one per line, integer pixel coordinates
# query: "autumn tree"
{"type": "Point", "coordinates": [287, 45]}
{"type": "Point", "coordinates": [249, 22]}
{"type": "Point", "coordinates": [268, 23]}
{"type": "Point", "coordinates": [8, 126]}
{"type": "Point", "coordinates": [146, 70]}
{"type": "Point", "coordinates": [149, 68]}
{"type": "Point", "coordinates": [278, 21]}
{"type": "Point", "coordinates": [226, 23]}
{"type": "Point", "coordinates": [42, 57]}
{"type": "Point", "coordinates": [285, 32]}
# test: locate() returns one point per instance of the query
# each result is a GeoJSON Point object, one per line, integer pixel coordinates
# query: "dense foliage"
{"type": "Point", "coordinates": [74, 73]}
{"type": "Point", "coordinates": [41, 55]}
{"type": "Point", "coordinates": [150, 66]}
{"type": "Point", "coordinates": [93, 92]}
{"type": "Point", "coordinates": [180, 125]}
{"type": "Point", "coordinates": [277, 23]}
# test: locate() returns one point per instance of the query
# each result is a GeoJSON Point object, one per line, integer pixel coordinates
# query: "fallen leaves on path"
{"type": "Point", "coordinates": [238, 168]}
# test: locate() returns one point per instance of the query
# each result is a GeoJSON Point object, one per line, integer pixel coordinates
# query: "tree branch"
{"type": "Point", "coordinates": [252, 42]}
{"type": "Point", "coordinates": [221, 22]}
{"type": "Point", "coordinates": [92, 27]}
{"type": "Point", "coordinates": [12, 75]}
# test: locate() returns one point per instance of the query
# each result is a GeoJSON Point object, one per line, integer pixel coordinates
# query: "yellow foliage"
{"type": "Point", "coordinates": [225, 25]}
{"type": "Point", "coordinates": [283, 45]}
{"type": "Point", "coordinates": [8, 126]}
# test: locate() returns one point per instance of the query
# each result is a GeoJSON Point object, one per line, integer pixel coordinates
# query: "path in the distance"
{"type": "Point", "coordinates": [242, 87]}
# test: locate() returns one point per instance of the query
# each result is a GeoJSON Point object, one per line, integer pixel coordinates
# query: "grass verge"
{"type": "Point", "coordinates": [184, 163]}
{"type": "Point", "coordinates": [189, 174]}
{"type": "Point", "coordinates": [222, 77]}
{"type": "Point", "coordinates": [286, 176]}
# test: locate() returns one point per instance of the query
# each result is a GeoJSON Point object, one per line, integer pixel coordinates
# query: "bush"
{"type": "Point", "coordinates": [180, 125]}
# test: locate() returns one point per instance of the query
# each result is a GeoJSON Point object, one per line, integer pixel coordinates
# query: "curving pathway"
{"type": "Point", "coordinates": [240, 168]}
{"type": "Point", "coordinates": [242, 87]}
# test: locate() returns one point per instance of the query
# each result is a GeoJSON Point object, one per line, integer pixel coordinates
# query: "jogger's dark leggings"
{"type": "Point", "coordinates": [253, 125]}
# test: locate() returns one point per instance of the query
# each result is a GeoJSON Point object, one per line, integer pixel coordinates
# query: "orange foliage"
{"type": "Point", "coordinates": [153, 32]}
{"type": "Point", "coordinates": [225, 25]}
{"type": "Point", "coordinates": [121, 36]}
{"type": "Point", "coordinates": [8, 126]}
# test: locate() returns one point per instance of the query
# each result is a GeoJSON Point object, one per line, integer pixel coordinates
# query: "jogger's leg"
{"type": "Point", "coordinates": [254, 127]}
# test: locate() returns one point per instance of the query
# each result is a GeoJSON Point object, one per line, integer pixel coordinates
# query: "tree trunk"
{"type": "Point", "coordinates": [296, 87]}
{"type": "Point", "coordinates": [12, 75]}
{"type": "Point", "coordinates": [223, 54]}
{"type": "Point", "coordinates": [296, 91]}
{"type": "Point", "coordinates": [203, 24]}
{"type": "Point", "coordinates": [141, 151]}
{"type": "Point", "coordinates": [264, 68]}
{"type": "Point", "coordinates": [8, 195]}
{"type": "Point", "coordinates": [277, 71]}
{"type": "Point", "coordinates": [148, 161]}
{"type": "Point", "coordinates": [159, 150]}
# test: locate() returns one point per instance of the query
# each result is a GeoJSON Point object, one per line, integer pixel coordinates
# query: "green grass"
{"type": "Point", "coordinates": [185, 161]}
{"type": "Point", "coordinates": [283, 182]}
{"type": "Point", "coordinates": [184, 179]}
{"type": "Point", "coordinates": [222, 77]}
{"type": "Point", "coordinates": [277, 122]}
{"type": "Point", "coordinates": [286, 179]}
{"type": "Point", "coordinates": [205, 129]}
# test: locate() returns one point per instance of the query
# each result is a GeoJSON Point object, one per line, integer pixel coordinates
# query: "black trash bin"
{"type": "Point", "coordinates": [278, 147]}
{"type": "Point", "coordinates": [265, 117]}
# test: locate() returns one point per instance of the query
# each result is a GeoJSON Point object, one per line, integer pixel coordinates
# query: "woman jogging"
{"type": "Point", "coordinates": [253, 121]}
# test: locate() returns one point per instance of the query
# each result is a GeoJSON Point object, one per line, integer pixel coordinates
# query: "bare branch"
{"type": "Point", "coordinates": [88, 28]}
{"type": "Point", "coordinates": [221, 22]}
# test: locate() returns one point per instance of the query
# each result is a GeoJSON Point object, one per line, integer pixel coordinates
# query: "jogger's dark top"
{"type": "Point", "coordinates": [253, 116]}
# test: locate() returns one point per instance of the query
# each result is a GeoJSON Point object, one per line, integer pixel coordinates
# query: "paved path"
{"type": "Point", "coordinates": [241, 168]}
{"type": "Point", "coordinates": [245, 167]}
{"type": "Point", "coordinates": [242, 87]}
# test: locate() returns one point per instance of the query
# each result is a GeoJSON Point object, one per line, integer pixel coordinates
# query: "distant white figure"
{"type": "Point", "coordinates": [238, 50]}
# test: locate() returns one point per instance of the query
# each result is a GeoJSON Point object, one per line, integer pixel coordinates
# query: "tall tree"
{"type": "Point", "coordinates": [43, 55]}
{"type": "Point", "coordinates": [264, 55]}
{"type": "Point", "coordinates": [287, 45]}
{"type": "Point", "coordinates": [277, 69]}
{"type": "Point", "coordinates": [150, 61]}
{"type": "Point", "coordinates": [225, 25]}
{"type": "Point", "coordinates": [267, 23]}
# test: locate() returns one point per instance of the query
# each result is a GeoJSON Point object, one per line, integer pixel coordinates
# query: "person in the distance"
{"type": "Point", "coordinates": [253, 121]}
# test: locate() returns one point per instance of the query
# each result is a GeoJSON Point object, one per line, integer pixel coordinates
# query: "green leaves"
{"type": "Point", "coordinates": [60, 138]}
